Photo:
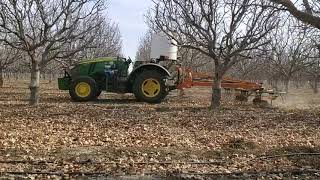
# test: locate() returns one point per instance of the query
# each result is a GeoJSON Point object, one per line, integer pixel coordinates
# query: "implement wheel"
{"type": "Point", "coordinates": [243, 96]}
{"type": "Point", "coordinates": [260, 102]}
{"type": "Point", "coordinates": [83, 89]}
{"type": "Point", "coordinates": [149, 86]}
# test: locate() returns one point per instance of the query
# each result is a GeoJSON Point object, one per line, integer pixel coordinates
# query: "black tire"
{"type": "Point", "coordinates": [242, 98]}
{"type": "Point", "coordinates": [98, 92]}
{"type": "Point", "coordinates": [140, 94]}
{"type": "Point", "coordinates": [259, 101]}
{"type": "Point", "coordinates": [92, 95]}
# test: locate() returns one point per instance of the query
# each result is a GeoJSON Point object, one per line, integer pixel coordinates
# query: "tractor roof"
{"type": "Point", "coordinates": [100, 59]}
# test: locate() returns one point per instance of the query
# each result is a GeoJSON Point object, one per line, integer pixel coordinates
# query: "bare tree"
{"type": "Point", "coordinates": [41, 28]}
{"type": "Point", "coordinates": [107, 43]}
{"type": "Point", "coordinates": [189, 58]}
{"type": "Point", "coordinates": [195, 60]}
{"type": "Point", "coordinates": [8, 56]}
{"type": "Point", "coordinates": [313, 72]}
{"type": "Point", "coordinates": [250, 69]}
{"type": "Point", "coordinates": [144, 49]}
{"type": "Point", "coordinates": [314, 77]}
{"type": "Point", "coordinates": [290, 48]}
{"type": "Point", "coordinates": [307, 11]}
{"type": "Point", "coordinates": [226, 31]}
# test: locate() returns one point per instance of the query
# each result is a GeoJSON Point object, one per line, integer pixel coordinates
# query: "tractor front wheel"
{"type": "Point", "coordinates": [149, 86]}
{"type": "Point", "coordinates": [83, 89]}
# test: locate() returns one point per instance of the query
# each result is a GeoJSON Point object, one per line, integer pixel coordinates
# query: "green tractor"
{"type": "Point", "coordinates": [149, 82]}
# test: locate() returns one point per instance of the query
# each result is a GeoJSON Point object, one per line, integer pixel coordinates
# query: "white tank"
{"type": "Point", "coordinates": [161, 45]}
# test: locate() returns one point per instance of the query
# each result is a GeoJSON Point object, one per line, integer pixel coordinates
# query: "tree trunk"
{"type": "Point", "coordinates": [216, 92]}
{"type": "Point", "coordinates": [1, 78]}
{"type": "Point", "coordinates": [315, 86]}
{"type": "Point", "coordinates": [274, 83]}
{"type": "Point", "coordinates": [287, 83]}
{"type": "Point", "coordinates": [34, 84]}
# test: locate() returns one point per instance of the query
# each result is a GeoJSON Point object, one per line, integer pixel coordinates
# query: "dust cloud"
{"type": "Point", "coordinates": [298, 99]}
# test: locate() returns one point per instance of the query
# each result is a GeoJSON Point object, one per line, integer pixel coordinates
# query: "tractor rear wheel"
{"type": "Point", "coordinates": [149, 86]}
{"type": "Point", "coordinates": [99, 91]}
{"type": "Point", "coordinates": [83, 89]}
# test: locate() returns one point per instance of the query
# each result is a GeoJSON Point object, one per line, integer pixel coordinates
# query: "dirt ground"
{"type": "Point", "coordinates": [180, 137]}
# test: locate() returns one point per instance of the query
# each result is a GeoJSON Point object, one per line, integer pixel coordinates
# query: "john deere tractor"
{"type": "Point", "coordinates": [149, 82]}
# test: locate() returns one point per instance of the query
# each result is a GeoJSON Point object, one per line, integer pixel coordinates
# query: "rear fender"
{"type": "Point", "coordinates": [144, 67]}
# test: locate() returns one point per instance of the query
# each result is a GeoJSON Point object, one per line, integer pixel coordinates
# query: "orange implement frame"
{"type": "Point", "coordinates": [205, 80]}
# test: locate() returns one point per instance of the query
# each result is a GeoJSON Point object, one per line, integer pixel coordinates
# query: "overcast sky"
{"type": "Point", "coordinates": [129, 14]}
